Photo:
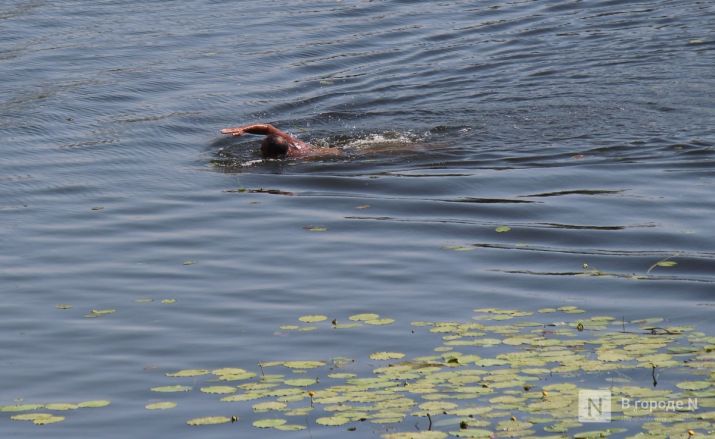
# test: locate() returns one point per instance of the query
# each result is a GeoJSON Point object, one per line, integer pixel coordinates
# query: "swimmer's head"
{"type": "Point", "coordinates": [274, 146]}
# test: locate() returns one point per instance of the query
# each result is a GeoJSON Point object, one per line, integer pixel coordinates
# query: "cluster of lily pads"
{"type": "Point", "coordinates": [354, 321]}
{"type": "Point", "coordinates": [506, 373]}
{"type": "Point", "coordinates": [43, 414]}
{"type": "Point", "coordinates": [94, 313]}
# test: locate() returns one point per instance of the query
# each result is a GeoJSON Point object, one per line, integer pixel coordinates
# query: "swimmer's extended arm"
{"type": "Point", "coordinates": [265, 129]}
{"type": "Point", "coordinates": [257, 128]}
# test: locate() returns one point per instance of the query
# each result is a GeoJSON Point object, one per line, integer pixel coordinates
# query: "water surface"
{"type": "Point", "coordinates": [588, 128]}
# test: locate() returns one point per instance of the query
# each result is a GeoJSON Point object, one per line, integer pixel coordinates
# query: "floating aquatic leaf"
{"type": "Point", "coordinates": [218, 390]}
{"type": "Point", "coordinates": [30, 416]}
{"type": "Point", "coordinates": [378, 322]}
{"type": "Point", "coordinates": [386, 355]}
{"type": "Point", "coordinates": [100, 312]}
{"type": "Point", "coordinates": [346, 325]}
{"type": "Point", "coordinates": [289, 327]}
{"type": "Point", "coordinates": [160, 405]}
{"type": "Point", "coordinates": [271, 405]}
{"type": "Point", "coordinates": [341, 375]}
{"type": "Point", "coordinates": [301, 382]}
{"type": "Point", "coordinates": [571, 310]}
{"type": "Point", "coordinates": [176, 388]}
{"type": "Point", "coordinates": [189, 262]}
{"type": "Point", "coordinates": [364, 317]}
{"type": "Point", "coordinates": [666, 263]}
{"type": "Point", "coordinates": [693, 385]}
{"type": "Point", "coordinates": [416, 435]}
{"type": "Point", "coordinates": [20, 407]}
{"type": "Point", "coordinates": [231, 371]}
{"type": "Point", "coordinates": [313, 318]}
{"type": "Point", "coordinates": [303, 364]}
{"type": "Point", "coordinates": [168, 301]}
{"type": "Point", "coordinates": [237, 377]}
{"type": "Point", "coordinates": [290, 427]}
{"type": "Point", "coordinates": [94, 404]}
{"type": "Point", "coordinates": [48, 420]}
{"type": "Point", "coordinates": [332, 420]}
{"type": "Point", "coordinates": [144, 300]}
{"type": "Point", "coordinates": [269, 423]}
{"type": "Point", "coordinates": [209, 420]}
{"type": "Point", "coordinates": [243, 397]}
{"type": "Point", "coordinates": [188, 373]}
{"type": "Point", "coordinates": [472, 433]}
{"type": "Point", "coordinates": [61, 406]}
{"type": "Point", "coordinates": [502, 229]}
{"type": "Point", "coordinates": [438, 406]}
{"type": "Point", "coordinates": [63, 306]}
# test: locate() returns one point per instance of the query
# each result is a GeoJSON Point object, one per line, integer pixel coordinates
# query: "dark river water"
{"type": "Point", "coordinates": [585, 127]}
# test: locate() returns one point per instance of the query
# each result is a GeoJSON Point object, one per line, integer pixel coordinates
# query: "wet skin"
{"type": "Point", "coordinates": [279, 144]}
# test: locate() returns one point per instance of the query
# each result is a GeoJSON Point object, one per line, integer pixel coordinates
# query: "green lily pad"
{"type": "Point", "coordinates": [188, 373]}
{"type": "Point", "coordinates": [267, 406]}
{"type": "Point", "coordinates": [301, 382]}
{"type": "Point", "coordinates": [176, 388]}
{"type": "Point", "coordinates": [332, 420]}
{"type": "Point", "coordinates": [209, 420]}
{"type": "Point", "coordinates": [62, 406]}
{"type": "Point", "coordinates": [160, 405]}
{"type": "Point", "coordinates": [20, 407]}
{"type": "Point", "coordinates": [290, 427]}
{"type": "Point", "coordinates": [93, 404]}
{"type": "Point", "coordinates": [48, 420]}
{"type": "Point", "coordinates": [693, 385]}
{"type": "Point", "coordinates": [364, 317]}
{"type": "Point", "coordinates": [313, 318]}
{"type": "Point", "coordinates": [379, 322]}
{"type": "Point", "coordinates": [218, 390]}
{"type": "Point", "coordinates": [269, 423]}
{"type": "Point", "coordinates": [416, 435]}
{"type": "Point", "coordinates": [303, 364]}
{"type": "Point", "coordinates": [30, 416]}
{"type": "Point", "coordinates": [386, 355]}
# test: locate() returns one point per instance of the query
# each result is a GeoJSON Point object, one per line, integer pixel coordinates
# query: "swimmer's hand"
{"type": "Point", "coordinates": [234, 131]}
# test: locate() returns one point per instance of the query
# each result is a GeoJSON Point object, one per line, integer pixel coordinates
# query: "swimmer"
{"type": "Point", "coordinates": [278, 144]}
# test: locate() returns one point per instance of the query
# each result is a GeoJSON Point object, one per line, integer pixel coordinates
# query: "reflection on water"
{"type": "Point", "coordinates": [540, 154]}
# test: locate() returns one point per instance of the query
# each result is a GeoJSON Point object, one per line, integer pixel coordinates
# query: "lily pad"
{"type": "Point", "coordinates": [269, 423]}
{"type": "Point", "coordinates": [188, 373]}
{"type": "Point", "coordinates": [218, 390]}
{"type": "Point", "coordinates": [364, 317]}
{"type": "Point", "coordinates": [303, 364]}
{"type": "Point", "coordinates": [290, 427]}
{"type": "Point", "coordinates": [209, 420]}
{"type": "Point", "coordinates": [176, 388]}
{"type": "Point", "coordinates": [313, 318]}
{"type": "Point", "coordinates": [332, 420]}
{"type": "Point", "coordinates": [160, 405]}
{"type": "Point", "coordinates": [386, 355]}
{"type": "Point", "coordinates": [94, 404]}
